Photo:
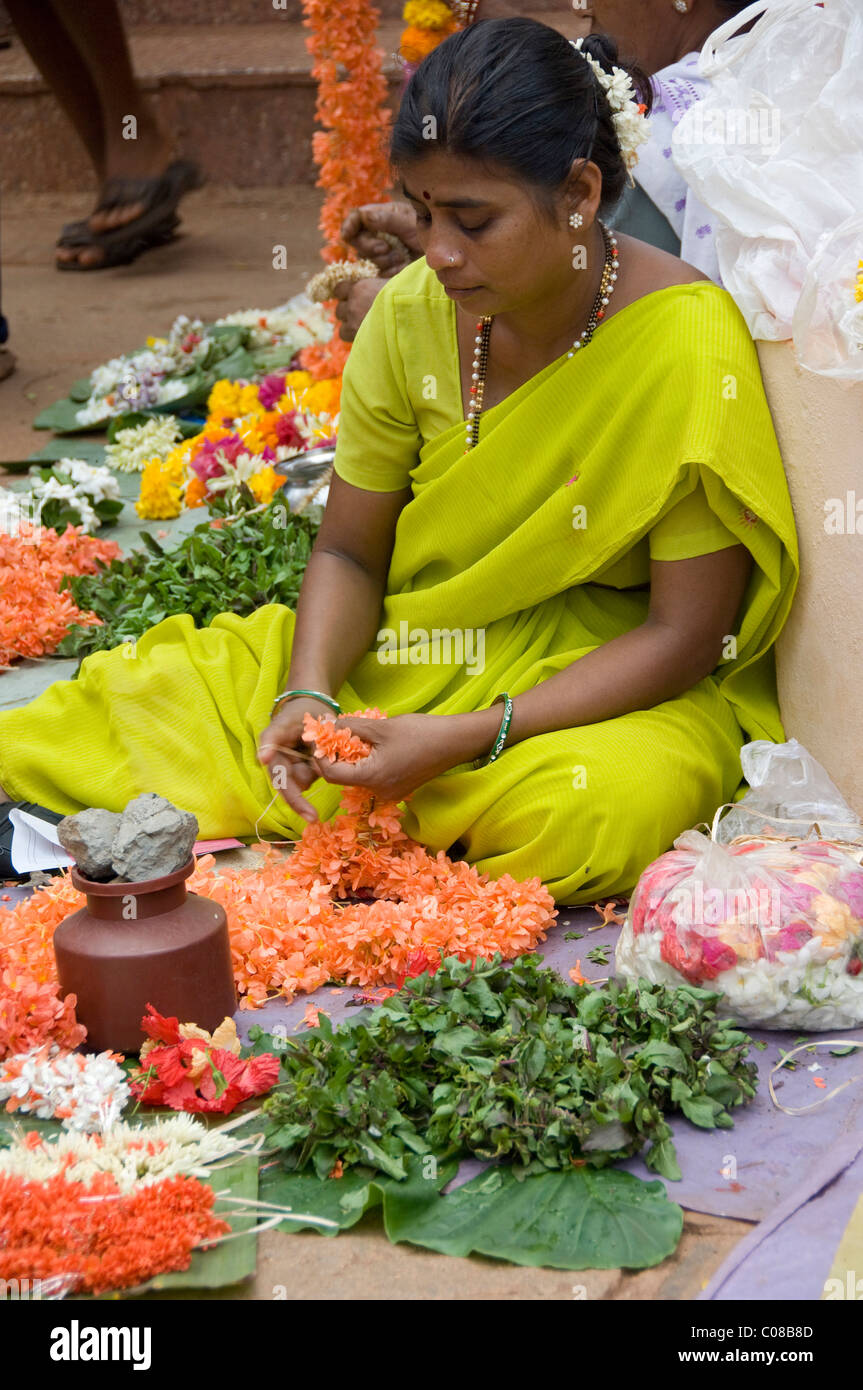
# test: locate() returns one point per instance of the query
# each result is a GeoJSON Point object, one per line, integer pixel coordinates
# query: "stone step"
{"type": "Point", "coordinates": [239, 97]}
{"type": "Point", "coordinates": [142, 14]}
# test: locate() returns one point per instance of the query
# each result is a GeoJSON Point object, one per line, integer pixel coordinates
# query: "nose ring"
{"type": "Point", "coordinates": [452, 260]}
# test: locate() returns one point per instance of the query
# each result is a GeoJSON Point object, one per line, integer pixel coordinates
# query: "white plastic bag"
{"type": "Point", "coordinates": [775, 151]}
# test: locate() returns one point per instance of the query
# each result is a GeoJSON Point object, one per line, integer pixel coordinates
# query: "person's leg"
{"type": "Point", "coordinates": [96, 32]}
{"type": "Point", "coordinates": [64, 69]}
{"type": "Point", "coordinates": [82, 53]}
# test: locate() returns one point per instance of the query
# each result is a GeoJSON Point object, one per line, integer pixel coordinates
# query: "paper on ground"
{"type": "Point", "coordinates": [36, 844]}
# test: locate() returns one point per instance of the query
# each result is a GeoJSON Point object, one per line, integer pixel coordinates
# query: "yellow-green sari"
{"type": "Point", "coordinates": [572, 475]}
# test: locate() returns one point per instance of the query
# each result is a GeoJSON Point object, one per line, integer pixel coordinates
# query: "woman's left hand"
{"type": "Point", "coordinates": [407, 751]}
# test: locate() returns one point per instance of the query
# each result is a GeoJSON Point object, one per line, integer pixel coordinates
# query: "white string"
{"type": "Point", "coordinates": [804, 1047]}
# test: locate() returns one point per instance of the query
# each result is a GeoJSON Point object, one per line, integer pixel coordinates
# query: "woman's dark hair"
{"type": "Point", "coordinates": [515, 93]}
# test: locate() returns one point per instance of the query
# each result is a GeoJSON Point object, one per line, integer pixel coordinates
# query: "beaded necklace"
{"type": "Point", "coordinates": [479, 369]}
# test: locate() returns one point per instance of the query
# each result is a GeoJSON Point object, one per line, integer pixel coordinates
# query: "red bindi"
{"type": "Point", "coordinates": [427, 196]}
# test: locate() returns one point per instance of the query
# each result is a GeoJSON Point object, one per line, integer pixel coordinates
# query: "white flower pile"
{"type": "Point", "coordinates": [86, 1091]}
{"type": "Point", "coordinates": [134, 1156]}
{"type": "Point", "coordinates": [136, 445]}
{"type": "Point", "coordinates": [73, 481]}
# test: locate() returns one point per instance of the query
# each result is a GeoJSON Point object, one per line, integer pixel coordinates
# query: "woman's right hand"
{"type": "Point", "coordinates": [286, 757]}
{"type": "Point", "coordinates": [362, 227]}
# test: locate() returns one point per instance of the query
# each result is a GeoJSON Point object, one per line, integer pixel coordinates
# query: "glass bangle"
{"type": "Point", "coordinates": [313, 694]}
{"type": "Point", "coordinates": [503, 732]}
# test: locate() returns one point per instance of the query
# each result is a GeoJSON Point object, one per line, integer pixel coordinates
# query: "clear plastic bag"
{"type": "Point", "coordinates": [789, 794]}
{"type": "Point", "coordinates": [773, 922]}
{"type": "Point", "coordinates": [775, 152]}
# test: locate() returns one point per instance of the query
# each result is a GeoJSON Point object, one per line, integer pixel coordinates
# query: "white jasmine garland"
{"type": "Point", "coordinates": [134, 1156]}
{"type": "Point", "coordinates": [631, 126]}
{"type": "Point", "coordinates": [135, 446]}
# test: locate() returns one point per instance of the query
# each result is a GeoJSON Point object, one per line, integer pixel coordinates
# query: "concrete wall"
{"type": "Point", "coordinates": [820, 652]}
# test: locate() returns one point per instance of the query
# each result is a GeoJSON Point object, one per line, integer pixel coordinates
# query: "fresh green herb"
{"type": "Point", "coordinates": [573, 935]}
{"type": "Point", "coordinates": [254, 558]}
{"type": "Point", "coordinates": [762, 1046]}
{"type": "Point", "coordinates": [599, 955]}
{"type": "Point", "coordinates": [507, 1063]}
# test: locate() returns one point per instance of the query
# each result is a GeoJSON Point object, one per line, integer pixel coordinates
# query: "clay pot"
{"type": "Point", "coordinates": [136, 944]}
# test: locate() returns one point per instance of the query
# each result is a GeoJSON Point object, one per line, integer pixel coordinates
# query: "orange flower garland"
{"type": "Point", "coordinates": [34, 615]}
{"type": "Point", "coordinates": [350, 148]}
{"type": "Point", "coordinates": [296, 923]}
{"type": "Point", "coordinates": [91, 1237]}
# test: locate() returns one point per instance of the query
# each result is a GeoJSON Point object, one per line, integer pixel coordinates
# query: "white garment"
{"type": "Point", "coordinates": [677, 88]}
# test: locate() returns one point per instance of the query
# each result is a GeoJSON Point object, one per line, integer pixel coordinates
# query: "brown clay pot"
{"type": "Point", "coordinates": [136, 944]}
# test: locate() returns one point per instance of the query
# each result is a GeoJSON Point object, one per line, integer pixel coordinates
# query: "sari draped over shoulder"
{"type": "Point", "coordinates": [510, 563]}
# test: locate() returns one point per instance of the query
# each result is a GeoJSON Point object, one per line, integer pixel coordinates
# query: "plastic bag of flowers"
{"type": "Point", "coordinates": [773, 923]}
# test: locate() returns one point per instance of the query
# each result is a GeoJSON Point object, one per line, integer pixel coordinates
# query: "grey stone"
{"type": "Point", "coordinates": [89, 838]}
{"type": "Point", "coordinates": [153, 839]}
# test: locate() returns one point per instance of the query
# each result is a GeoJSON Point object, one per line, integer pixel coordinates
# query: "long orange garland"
{"type": "Point", "coordinates": [350, 149]}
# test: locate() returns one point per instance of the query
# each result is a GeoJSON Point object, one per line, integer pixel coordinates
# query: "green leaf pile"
{"type": "Point", "coordinates": [252, 559]}
{"type": "Point", "coordinates": [512, 1064]}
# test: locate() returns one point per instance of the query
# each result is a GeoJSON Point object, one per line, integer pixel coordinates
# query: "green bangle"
{"type": "Point", "coordinates": [503, 732]}
{"type": "Point", "coordinates": [314, 694]}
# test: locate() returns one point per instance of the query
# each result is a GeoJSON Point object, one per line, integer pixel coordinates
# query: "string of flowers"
{"type": "Point", "coordinates": [350, 146]}
{"type": "Point", "coordinates": [34, 615]}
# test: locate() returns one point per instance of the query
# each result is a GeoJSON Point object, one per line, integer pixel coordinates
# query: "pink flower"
{"type": "Point", "coordinates": [271, 390]}
{"type": "Point", "coordinates": [287, 432]}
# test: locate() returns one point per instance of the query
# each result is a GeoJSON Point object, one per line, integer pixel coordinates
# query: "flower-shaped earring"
{"type": "Point", "coordinates": [681, 6]}
{"type": "Point", "coordinates": [575, 220]}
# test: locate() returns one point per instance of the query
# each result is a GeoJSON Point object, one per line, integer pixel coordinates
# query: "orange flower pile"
{"type": "Point", "coordinates": [296, 922]}
{"type": "Point", "coordinates": [34, 615]}
{"type": "Point", "coordinates": [350, 148]}
{"type": "Point", "coordinates": [97, 1238]}
{"type": "Point", "coordinates": [30, 1011]}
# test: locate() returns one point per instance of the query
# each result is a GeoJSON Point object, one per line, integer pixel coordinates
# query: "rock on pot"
{"type": "Point", "coordinates": [144, 943]}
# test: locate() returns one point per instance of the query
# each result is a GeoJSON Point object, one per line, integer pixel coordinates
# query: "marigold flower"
{"type": "Point", "coordinates": [161, 492]}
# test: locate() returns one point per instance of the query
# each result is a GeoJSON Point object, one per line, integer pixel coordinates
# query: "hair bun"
{"type": "Point", "coordinates": [604, 50]}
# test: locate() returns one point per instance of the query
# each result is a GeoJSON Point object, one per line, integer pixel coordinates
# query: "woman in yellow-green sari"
{"type": "Point", "coordinates": [601, 533]}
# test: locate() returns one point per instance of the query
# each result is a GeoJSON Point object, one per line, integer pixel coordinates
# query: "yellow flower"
{"type": "Point", "coordinates": [161, 491]}
{"type": "Point", "coordinates": [298, 381]}
{"type": "Point", "coordinates": [249, 401]}
{"type": "Point", "coordinates": [428, 14]}
{"type": "Point", "coordinates": [265, 484]}
{"type": "Point", "coordinates": [177, 460]}
{"type": "Point", "coordinates": [252, 438]}
{"type": "Point", "coordinates": [224, 399]}
{"type": "Point", "coordinates": [324, 397]}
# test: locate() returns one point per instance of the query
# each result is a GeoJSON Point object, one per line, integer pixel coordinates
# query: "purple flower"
{"type": "Point", "coordinates": [703, 231]}
{"type": "Point", "coordinates": [666, 154]}
{"type": "Point", "coordinates": [680, 205]}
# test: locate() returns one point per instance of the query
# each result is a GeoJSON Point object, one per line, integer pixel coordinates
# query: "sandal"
{"type": "Point", "coordinates": [126, 244]}
{"type": "Point", "coordinates": [159, 194]}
